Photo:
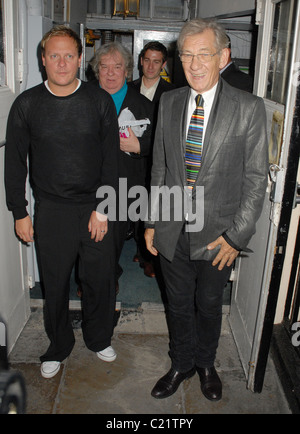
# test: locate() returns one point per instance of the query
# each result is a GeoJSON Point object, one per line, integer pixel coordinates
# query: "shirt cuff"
{"type": "Point", "coordinates": [19, 213]}
{"type": "Point", "coordinates": [232, 244]}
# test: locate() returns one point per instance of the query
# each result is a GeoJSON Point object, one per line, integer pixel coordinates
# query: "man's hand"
{"type": "Point", "coordinates": [226, 255]}
{"type": "Point", "coordinates": [24, 229]}
{"type": "Point", "coordinates": [149, 237]}
{"type": "Point", "coordinates": [98, 226]}
{"type": "Point", "coordinates": [131, 143]}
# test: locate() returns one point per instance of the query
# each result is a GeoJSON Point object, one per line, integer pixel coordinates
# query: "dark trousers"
{"type": "Point", "coordinates": [62, 235]}
{"type": "Point", "coordinates": [122, 227]}
{"type": "Point", "coordinates": [194, 292]}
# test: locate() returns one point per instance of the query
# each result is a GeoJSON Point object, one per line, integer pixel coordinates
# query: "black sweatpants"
{"type": "Point", "coordinates": [61, 233]}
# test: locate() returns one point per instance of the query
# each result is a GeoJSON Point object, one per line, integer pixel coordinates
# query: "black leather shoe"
{"type": "Point", "coordinates": [170, 382]}
{"type": "Point", "coordinates": [211, 385]}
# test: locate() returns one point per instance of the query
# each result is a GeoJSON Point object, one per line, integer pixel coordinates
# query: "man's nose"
{"type": "Point", "coordinates": [62, 62]}
{"type": "Point", "coordinates": [196, 63]}
{"type": "Point", "coordinates": [110, 70]}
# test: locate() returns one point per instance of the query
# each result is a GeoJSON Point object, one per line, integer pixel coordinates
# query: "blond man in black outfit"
{"type": "Point", "coordinates": [70, 132]}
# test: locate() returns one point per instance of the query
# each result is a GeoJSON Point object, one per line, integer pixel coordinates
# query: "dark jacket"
{"type": "Point", "coordinates": [233, 175]}
{"type": "Point", "coordinates": [236, 78]}
{"type": "Point", "coordinates": [134, 166]}
{"type": "Point", "coordinates": [163, 86]}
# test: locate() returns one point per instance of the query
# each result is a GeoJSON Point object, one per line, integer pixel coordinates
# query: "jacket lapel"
{"type": "Point", "coordinates": [178, 129]}
{"type": "Point", "coordinates": [221, 117]}
{"type": "Point", "coordinates": [220, 120]}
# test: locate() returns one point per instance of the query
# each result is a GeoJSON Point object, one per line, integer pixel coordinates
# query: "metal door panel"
{"type": "Point", "coordinates": [257, 276]}
{"type": "Point", "coordinates": [247, 288]}
{"type": "Point", "coordinates": [253, 271]}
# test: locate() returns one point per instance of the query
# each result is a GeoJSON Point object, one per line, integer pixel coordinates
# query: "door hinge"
{"type": "Point", "coordinates": [30, 282]}
{"type": "Point", "coordinates": [277, 175]}
{"type": "Point", "coordinates": [296, 196]}
{"type": "Point", "coordinates": [278, 250]}
{"type": "Point", "coordinates": [233, 276]}
{"type": "Point", "coordinates": [251, 364]}
{"type": "Point", "coordinates": [20, 66]}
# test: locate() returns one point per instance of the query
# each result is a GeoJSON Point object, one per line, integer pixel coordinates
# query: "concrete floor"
{"type": "Point", "coordinates": [87, 385]}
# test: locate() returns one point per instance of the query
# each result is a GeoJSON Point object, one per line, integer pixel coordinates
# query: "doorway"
{"type": "Point", "coordinates": [286, 335]}
{"type": "Point", "coordinates": [256, 287]}
{"type": "Point", "coordinates": [14, 293]}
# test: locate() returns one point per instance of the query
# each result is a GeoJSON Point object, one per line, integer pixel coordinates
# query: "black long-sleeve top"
{"type": "Point", "coordinates": [72, 143]}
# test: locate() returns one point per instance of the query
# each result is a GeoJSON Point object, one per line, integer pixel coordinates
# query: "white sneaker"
{"type": "Point", "coordinates": [50, 369]}
{"type": "Point", "coordinates": [108, 354]}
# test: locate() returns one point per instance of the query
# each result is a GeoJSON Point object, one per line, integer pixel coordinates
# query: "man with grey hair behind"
{"type": "Point", "coordinates": [112, 66]}
{"type": "Point", "coordinates": [213, 137]}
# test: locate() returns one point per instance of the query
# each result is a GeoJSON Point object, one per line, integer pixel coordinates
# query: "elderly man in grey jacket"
{"type": "Point", "coordinates": [211, 144]}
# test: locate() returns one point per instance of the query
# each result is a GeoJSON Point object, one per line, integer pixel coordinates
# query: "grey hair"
{"type": "Point", "coordinates": [112, 47]}
{"type": "Point", "coordinates": [199, 25]}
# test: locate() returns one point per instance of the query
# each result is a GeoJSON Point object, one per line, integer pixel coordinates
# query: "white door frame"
{"type": "Point", "coordinates": [257, 343]}
{"type": "Point", "coordinates": [14, 292]}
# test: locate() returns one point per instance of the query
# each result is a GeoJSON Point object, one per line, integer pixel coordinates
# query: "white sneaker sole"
{"type": "Point", "coordinates": [51, 373]}
{"type": "Point", "coordinates": [106, 358]}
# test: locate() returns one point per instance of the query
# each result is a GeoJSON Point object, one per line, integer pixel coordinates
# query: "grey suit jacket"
{"type": "Point", "coordinates": [233, 175]}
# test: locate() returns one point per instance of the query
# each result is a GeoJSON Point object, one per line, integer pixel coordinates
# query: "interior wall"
{"type": "Point", "coordinates": [212, 8]}
{"type": "Point", "coordinates": [14, 294]}
{"type": "Point", "coordinates": [78, 11]}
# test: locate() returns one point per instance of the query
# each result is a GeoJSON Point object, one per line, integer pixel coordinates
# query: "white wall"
{"type": "Point", "coordinates": [14, 294]}
{"type": "Point", "coordinates": [37, 27]}
{"type": "Point", "coordinates": [14, 288]}
{"type": "Point", "coordinates": [212, 8]}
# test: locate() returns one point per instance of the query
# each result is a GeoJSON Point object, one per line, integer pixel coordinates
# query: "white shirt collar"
{"type": "Point", "coordinates": [149, 91]}
{"type": "Point", "coordinates": [207, 96]}
{"type": "Point", "coordinates": [78, 86]}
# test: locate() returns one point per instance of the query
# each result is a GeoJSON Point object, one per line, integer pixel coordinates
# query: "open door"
{"type": "Point", "coordinates": [14, 293]}
{"type": "Point", "coordinates": [256, 278]}
{"type": "Point", "coordinates": [252, 274]}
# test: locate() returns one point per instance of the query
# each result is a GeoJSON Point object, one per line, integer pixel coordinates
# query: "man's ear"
{"type": "Point", "coordinates": [224, 57]}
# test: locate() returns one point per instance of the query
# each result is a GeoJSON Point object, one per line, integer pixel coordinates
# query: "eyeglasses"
{"type": "Point", "coordinates": [203, 57]}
